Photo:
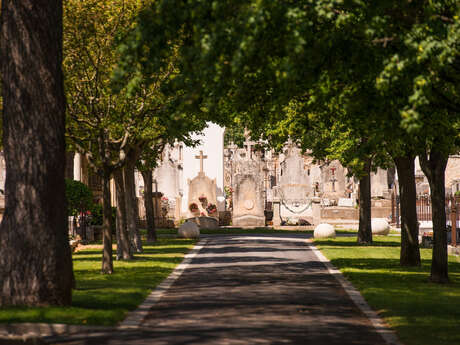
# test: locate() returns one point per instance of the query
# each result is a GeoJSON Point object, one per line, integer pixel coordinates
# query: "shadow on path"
{"type": "Point", "coordinates": [251, 290]}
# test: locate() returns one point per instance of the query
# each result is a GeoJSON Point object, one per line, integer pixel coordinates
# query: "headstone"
{"type": "Point", "coordinates": [188, 230]}
{"type": "Point", "coordinates": [295, 190]}
{"type": "Point", "coordinates": [380, 226]}
{"type": "Point", "coordinates": [333, 180]}
{"type": "Point", "coordinates": [211, 142]}
{"type": "Point", "coordinates": [324, 230]}
{"type": "Point", "coordinates": [202, 200]}
{"type": "Point", "coordinates": [379, 183]}
{"type": "Point", "coordinates": [248, 188]}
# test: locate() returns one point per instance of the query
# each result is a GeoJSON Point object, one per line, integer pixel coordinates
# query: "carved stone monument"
{"type": "Point", "coordinates": [334, 182]}
{"type": "Point", "coordinates": [248, 189]}
{"type": "Point", "coordinates": [295, 188]}
{"type": "Point", "coordinates": [202, 200]}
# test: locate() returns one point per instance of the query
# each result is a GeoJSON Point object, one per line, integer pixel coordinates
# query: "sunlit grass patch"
{"type": "Point", "coordinates": [421, 312]}
{"type": "Point", "coordinates": [105, 299]}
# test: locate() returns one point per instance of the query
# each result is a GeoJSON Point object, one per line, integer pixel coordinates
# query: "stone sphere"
{"type": "Point", "coordinates": [324, 230]}
{"type": "Point", "coordinates": [380, 226]}
{"type": "Point", "coordinates": [188, 230]}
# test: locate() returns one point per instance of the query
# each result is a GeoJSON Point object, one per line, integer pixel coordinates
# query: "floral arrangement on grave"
{"type": "Point", "coordinates": [211, 209]}
{"type": "Point", "coordinates": [193, 207]}
{"type": "Point", "coordinates": [204, 201]}
{"type": "Point", "coordinates": [228, 191]}
{"type": "Point", "coordinates": [164, 206]}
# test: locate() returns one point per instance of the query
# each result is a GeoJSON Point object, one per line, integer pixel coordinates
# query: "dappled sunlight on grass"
{"type": "Point", "coordinates": [105, 299]}
{"type": "Point", "coordinates": [421, 312]}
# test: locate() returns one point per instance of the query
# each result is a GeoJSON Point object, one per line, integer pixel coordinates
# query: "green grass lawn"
{"type": "Point", "coordinates": [421, 312]}
{"type": "Point", "coordinates": [105, 299]}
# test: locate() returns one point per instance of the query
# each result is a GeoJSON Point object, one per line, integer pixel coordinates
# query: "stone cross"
{"type": "Point", "coordinates": [333, 179]}
{"type": "Point", "coordinates": [201, 157]}
{"type": "Point", "coordinates": [248, 143]}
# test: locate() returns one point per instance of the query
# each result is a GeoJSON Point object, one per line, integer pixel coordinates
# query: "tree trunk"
{"type": "Point", "coordinates": [434, 168]}
{"type": "Point", "coordinates": [410, 252]}
{"type": "Point", "coordinates": [123, 245]}
{"type": "Point", "coordinates": [130, 202]}
{"type": "Point", "coordinates": [365, 229]}
{"type": "Point", "coordinates": [35, 260]}
{"type": "Point", "coordinates": [148, 202]}
{"type": "Point", "coordinates": [107, 260]}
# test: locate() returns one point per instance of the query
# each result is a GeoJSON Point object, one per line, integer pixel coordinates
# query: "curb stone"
{"type": "Point", "coordinates": [381, 328]}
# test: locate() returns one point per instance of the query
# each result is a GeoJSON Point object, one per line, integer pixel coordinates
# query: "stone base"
{"type": "Point", "coordinates": [337, 212]}
{"type": "Point", "coordinates": [248, 220]}
{"type": "Point", "coordinates": [205, 222]}
{"type": "Point", "coordinates": [225, 218]}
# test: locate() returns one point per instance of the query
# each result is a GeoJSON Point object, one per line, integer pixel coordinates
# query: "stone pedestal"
{"type": "Point", "coordinates": [316, 212]}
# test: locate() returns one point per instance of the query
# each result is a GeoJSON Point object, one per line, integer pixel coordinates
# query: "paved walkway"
{"type": "Point", "coordinates": [251, 290]}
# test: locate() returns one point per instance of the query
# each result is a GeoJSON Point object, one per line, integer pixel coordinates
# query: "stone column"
{"type": "Point", "coordinates": [177, 210]}
{"type": "Point", "coordinates": [276, 212]}
{"type": "Point", "coordinates": [77, 167]}
{"type": "Point", "coordinates": [316, 211]}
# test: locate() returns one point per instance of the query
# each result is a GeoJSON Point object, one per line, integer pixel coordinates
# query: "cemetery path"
{"type": "Point", "coordinates": [251, 290]}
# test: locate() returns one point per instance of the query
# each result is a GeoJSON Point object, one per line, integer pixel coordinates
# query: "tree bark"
{"type": "Point", "coordinates": [130, 202]}
{"type": "Point", "coordinates": [35, 260]}
{"type": "Point", "coordinates": [434, 166]}
{"type": "Point", "coordinates": [149, 209]}
{"type": "Point", "coordinates": [107, 223]}
{"type": "Point", "coordinates": [124, 251]}
{"type": "Point", "coordinates": [410, 252]}
{"type": "Point", "coordinates": [365, 228]}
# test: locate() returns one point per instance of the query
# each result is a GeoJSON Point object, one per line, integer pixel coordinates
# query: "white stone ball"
{"type": "Point", "coordinates": [188, 230]}
{"type": "Point", "coordinates": [380, 226]}
{"type": "Point", "coordinates": [324, 230]}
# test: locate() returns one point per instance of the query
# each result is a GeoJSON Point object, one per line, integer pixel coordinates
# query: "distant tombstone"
{"type": "Point", "coordinates": [167, 179]}
{"type": "Point", "coordinates": [248, 187]}
{"type": "Point", "coordinates": [333, 179]}
{"type": "Point", "coordinates": [202, 200]}
{"type": "Point", "coordinates": [379, 183]}
{"type": "Point", "coordinates": [295, 190]}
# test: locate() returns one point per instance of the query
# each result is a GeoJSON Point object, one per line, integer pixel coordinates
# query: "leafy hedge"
{"type": "Point", "coordinates": [79, 197]}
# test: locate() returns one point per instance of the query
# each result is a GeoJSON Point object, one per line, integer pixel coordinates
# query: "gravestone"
{"type": "Point", "coordinates": [334, 180]}
{"type": "Point", "coordinates": [248, 188]}
{"type": "Point", "coordinates": [202, 200]}
{"type": "Point", "coordinates": [379, 184]}
{"type": "Point", "coordinates": [295, 190]}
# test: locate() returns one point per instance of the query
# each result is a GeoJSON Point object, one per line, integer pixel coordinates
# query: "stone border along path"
{"type": "Point", "coordinates": [387, 333]}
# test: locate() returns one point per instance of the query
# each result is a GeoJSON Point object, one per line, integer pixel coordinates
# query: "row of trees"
{"type": "Point", "coordinates": [367, 83]}
{"type": "Point", "coordinates": [352, 80]}
{"type": "Point", "coordinates": [117, 126]}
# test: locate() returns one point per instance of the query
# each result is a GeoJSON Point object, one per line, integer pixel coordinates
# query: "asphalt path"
{"type": "Point", "coordinates": [257, 289]}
